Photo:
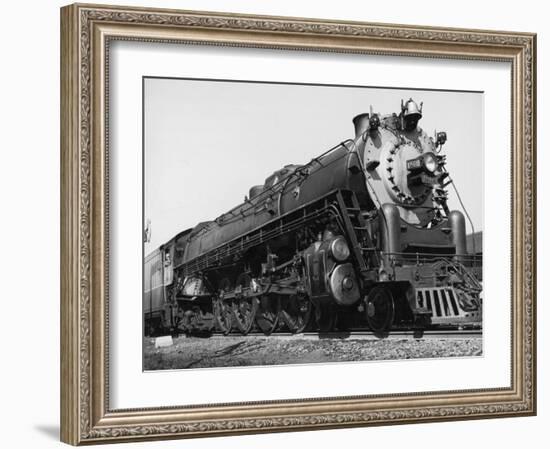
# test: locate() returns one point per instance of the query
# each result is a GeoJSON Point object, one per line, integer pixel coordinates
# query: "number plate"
{"type": "Point", "coordinates": [414, 164]}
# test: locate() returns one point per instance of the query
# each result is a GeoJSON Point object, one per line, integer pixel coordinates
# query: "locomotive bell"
{"type": "Point", "coordinates": [411, 109]}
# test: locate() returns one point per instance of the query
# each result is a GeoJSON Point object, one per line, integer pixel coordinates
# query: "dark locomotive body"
{"type": "Point", "coordinates": [358, 237]}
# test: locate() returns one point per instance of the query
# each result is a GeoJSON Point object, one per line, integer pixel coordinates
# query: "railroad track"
{"type": "Point", "coordinates": [365, 335]}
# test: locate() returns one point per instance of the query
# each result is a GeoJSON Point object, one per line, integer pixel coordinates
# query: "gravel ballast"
{"type": "Point", "coordinates": [217, 351]}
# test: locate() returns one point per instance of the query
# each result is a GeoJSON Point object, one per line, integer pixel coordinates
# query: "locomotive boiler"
{"type": "Point", "coordinates": [360, 236]}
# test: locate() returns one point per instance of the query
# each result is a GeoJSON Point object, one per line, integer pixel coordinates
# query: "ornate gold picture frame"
{"type": "Point", "coordinates": [87, 31]}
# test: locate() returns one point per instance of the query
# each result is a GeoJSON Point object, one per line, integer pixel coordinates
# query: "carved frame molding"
{"type": "Point", "coordinates": [86, 33]}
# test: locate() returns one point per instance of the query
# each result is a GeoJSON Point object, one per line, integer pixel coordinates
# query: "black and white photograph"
{"type": "Point", "coordinates": [298, 223]}
{"type": "Point", "coordinates": [275, 224]}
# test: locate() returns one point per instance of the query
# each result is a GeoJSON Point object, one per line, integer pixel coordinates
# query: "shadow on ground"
{"type": "Point", "coordinates": [51, 431]}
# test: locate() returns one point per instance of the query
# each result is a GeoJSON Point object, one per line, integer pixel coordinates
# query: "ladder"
{"type": "Point", "coordinates": [356, 225]}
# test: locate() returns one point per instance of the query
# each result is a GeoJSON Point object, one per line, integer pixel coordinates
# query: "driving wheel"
{"type": "Point", "coordinates": [296, 313]}
{"type": "Point", "coordinates": [267, 313]}
{"type": "Point", "coordinates": [244, 306]}
{"type": "Point", "coordinates": [223, 314]}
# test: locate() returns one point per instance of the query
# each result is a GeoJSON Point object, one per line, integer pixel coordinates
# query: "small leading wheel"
{"type": "Point", "coordinates": [296, 313]}
{"type": "Point", "coordinates": [223, 313]}
{"type": "Point", "coordinates": [380, 310]}
{"type": "Point", "coordinates": [244, 306]}
{"type": "Point", "coordinates": [267, 313]}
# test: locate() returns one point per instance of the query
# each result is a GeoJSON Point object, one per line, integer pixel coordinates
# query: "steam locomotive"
{"type": "Point", "coordinates": [360, 236]}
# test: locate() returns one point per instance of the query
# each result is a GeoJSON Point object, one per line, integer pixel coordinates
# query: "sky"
{"type": "Point", "coordinates": [207, 142]}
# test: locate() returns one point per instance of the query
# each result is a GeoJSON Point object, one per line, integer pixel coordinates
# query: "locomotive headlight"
{"type": "Point", "coordinates": [339, 249]}
{"type": "Point", "coordinates": [430, 162]}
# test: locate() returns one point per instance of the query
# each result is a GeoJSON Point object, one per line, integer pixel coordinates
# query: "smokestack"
{"type": "Point", "coordinates": [361, 123]}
